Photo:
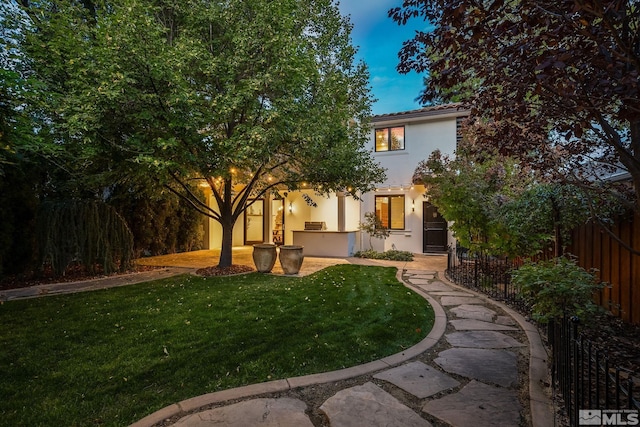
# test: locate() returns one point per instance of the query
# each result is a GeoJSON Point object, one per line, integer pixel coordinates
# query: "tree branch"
{"type": "Point", "coordinates": [191, 202]}
{"type": "Point", "coordinates": [193, 199]}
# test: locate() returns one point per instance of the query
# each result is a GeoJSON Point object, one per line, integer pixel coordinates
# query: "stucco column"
{"type": "Point", "coordinates": [341, 211]}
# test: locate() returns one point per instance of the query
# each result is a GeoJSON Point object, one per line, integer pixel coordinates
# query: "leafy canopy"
{"type": "Point", "coordinates": [499, 206]}
{"type": "Point", "coordinates": [246, 97]}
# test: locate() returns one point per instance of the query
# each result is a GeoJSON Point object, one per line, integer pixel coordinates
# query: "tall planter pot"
{"type": "Point", "coordinates": [291, 258]}
{"type": "Point", "coordinates": [264, 257]}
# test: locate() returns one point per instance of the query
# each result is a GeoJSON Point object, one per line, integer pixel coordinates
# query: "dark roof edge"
{"type": "Point", "coordinates": [422, 112]}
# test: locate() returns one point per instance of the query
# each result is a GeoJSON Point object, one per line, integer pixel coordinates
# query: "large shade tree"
{"type": "Point", "coordinates": [247, 97]}
{"type": "Point", "coordinates": [553, 83]}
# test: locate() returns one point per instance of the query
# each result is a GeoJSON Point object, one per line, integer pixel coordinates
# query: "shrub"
{"type": "Point", "coordinates": [90, 233]}
{"type": "Point", "coordinates": [373, 227]}
{"type": "Point", "coordinates": [557, 288]}
{"type": "Point", "coordinates": [161, 223]}
{"type": "Point", "coordinates": [391, 255]}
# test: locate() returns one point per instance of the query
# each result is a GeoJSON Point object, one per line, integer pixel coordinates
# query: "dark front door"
{"type": "Point", "coordinates": [434, 226]}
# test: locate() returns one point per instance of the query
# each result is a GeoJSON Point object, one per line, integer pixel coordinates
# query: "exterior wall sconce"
{"type": "Point", "coordinates": [290, 207]}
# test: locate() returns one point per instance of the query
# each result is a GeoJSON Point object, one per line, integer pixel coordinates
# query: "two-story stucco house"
{"type": "Point", "coordinates": [399, 142]}
{"type": "Point", "coordinates": [328, 226]}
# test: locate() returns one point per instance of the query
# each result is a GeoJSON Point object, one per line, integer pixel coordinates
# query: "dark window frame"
{"type": "Point", "coordinates": [388, 130]}
{"type": "Point", "coordinates": [390, 210]}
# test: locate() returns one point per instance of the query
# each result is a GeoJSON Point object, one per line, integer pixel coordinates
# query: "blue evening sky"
{"type": "Point", "coordinates": [379, 39]}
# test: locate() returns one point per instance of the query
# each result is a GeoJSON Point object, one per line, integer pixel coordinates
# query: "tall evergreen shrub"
{"type": "Point", "coordinates": [160, 222]}
{"type": "Point", "coordinates": [18, 206]}
{"type": "Point", "coordinates": [91, 233]}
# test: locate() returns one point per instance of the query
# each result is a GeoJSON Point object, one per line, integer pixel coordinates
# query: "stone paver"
{"type": "Point", "coordinates": [473, 311]}
{"type": "Point", "coordinates": [479, 325]}
{"type": "Point", "coordinates": [482, 339]}
{"type": "Point", "coordinates": [421, 273]}
{"type": "Point", "coordinates": [421, 282]}
{"type": "Point", "coordinates": [451, 294]}
{"type": "Point", "coordinates": [369, 405]}
{"type": "Point", "coordinates": [494, 366]}
{"type": "Point", "coordinates": [477, 405]}
{"type": "Point", "coordinates": [505, 320]}
{"type": "Point", "coordinates": [255, 412]}
{"type": "Point", "coordinates": [422, 276]}
{"type": "Point", "coordinates": [432, 286]}
{"type": "Point", "coordinates": [460, 300]}
{"type": "Point", "coordinates": [419, 379]}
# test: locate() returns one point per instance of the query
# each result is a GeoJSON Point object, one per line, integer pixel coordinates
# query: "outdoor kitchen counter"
{"type": "Point", "coordinates": [326, 243]}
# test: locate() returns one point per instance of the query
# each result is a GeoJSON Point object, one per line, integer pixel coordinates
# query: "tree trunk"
{"type": "Point", "coordinates": [226, 252]}
{"type": "Point", "coordinates": [228, 219]}
{"type": "Point", "coordinates": [557, 228]}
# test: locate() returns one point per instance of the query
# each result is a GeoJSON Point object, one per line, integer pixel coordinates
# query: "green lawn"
{"type": "Point", "coordinates": [111, 357]}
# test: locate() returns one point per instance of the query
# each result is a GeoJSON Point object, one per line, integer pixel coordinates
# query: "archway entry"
{"type": "Point", "coordinates": [434, 229]}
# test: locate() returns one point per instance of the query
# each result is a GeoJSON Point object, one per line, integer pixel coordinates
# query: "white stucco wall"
{"type": "Point", "coordinates": [421, 139]}
{"type": "Point", "coordinates": [327, 210]}
{"type": "Point", "coordinates": [296, 212]}
{"type": "Point", "coordinates": [353, 208]}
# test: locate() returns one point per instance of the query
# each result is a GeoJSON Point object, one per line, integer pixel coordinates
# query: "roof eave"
{"type": "Point", "coordinates": [441, 111]}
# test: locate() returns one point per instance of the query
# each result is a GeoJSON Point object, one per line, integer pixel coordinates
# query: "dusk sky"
{"type": "Point", "coordinates": [379, 39]}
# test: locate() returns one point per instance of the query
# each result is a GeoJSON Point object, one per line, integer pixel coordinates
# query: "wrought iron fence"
{"type": "Point", "coordinates": [581, 373]}
{"type": "Point", "coordinates": [580, 370]}
{"type": "Point", "coordinates": [486, 273]}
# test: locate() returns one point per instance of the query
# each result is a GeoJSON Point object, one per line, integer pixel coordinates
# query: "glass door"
{"type": "Point", "coordinates": [254, 223]}
{"type": "Point", "coordinates": [277, 221]}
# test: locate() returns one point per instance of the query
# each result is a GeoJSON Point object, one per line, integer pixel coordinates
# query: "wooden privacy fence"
{"type": "Point", "coordinates": [616, 265]}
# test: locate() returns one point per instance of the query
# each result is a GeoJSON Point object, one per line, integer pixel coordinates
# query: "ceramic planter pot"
{"type": "Point", "coordinates": [291, 258]}
{"type": "Point", "coordinates": [264, 257]}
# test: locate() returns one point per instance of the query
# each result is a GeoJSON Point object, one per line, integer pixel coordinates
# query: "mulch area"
{"type": "Point", "coordinates": [75, 273]}
{"type": "Point", "coordinates": [78, 273]}
{"type": "Point", "coordinates": [224, 271]}
{"type": "Point", "coordinates": [621, 341]}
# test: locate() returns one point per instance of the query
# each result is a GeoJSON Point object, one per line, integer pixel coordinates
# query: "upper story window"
{"type": "Point", "coordinates": [390, 211]}
{"type": "Point", "coordinates": [390, 139]}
